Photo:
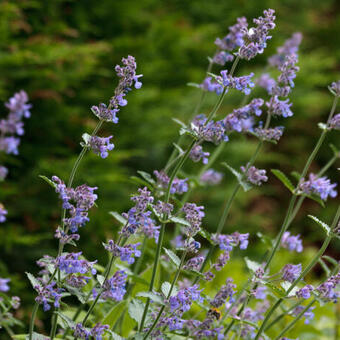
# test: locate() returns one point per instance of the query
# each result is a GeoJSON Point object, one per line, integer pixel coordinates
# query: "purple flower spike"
{"type": "Point", "coordinates": [254, 175]}
{"type": "Point", "coordinates": [114, 288]}
{"type": "Point", "coordinates": [291, 242]}
{"type": "Point", "coordinates": [197, 153]}
{"type": "Point", "coordinates": [335, 88]}
{"type": "Point", "coordinates": [320, 186]}
{"type": "Point", "coordinates": [4, 287]}
{"type": "Point", "coordinates": [305, 292]}
{"type": "Point", "coordinates": [211, 177]}
{"type": "Point", "coordinates": [226, 292]}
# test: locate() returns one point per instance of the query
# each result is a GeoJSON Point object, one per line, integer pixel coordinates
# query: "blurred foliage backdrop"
{"type": "Point", "coordinates": [62, 52]}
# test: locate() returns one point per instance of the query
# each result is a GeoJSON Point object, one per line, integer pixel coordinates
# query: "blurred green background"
{"type": "Point", "coordinates": [63, 53]}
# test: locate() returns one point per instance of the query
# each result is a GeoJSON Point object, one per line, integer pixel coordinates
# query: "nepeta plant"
{"type": "Point", "coordinates": [173, 302]}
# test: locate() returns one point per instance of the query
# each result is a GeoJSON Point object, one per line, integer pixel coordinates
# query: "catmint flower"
{"type": "Point", "coordinates": [227, 242]}
{"type": "Point", "coordinates": [320, 186]}
{"type": "Point", "coordinates": [70, 264]}
{"type": "Point", "coordinates": [254, 175]}
{"type": "Point", "coordinates": [191, 245]}
{"type": "Point", "coordinates": [221, 261]}
{"type": "Point", "coordinates": [3, 213]}
{"type": "Point", "coordinates": [288, 70]}
{"type": "Point", "coordinates": [271, 134]}
{"type": "Point", "coordinates": [142, 199]}
{"type": "Point", "coordinates": [243, 84]}
{"type": "Point", "coordinates": [179, 186]}
{"type": "Point", "coordinates": [47, 293]}
{"type": "Point", "coordinates": [291, 272]}
{"type": "Point", "coordinates": [114, 288]}
{"type": "Point", "coordinates": [290, 46]}
{"type": "Point", "coordinates": [335, 88]}
{"type": "Point", "coordinates": [105, 113]}
{"type": "Point", "coordinates": [335, 122]}
{"type": "Point", "coordinates": [194, 215]}
{"type": "Point", "coordinates": [3, 172]}
{"type": "Point", "coordinates": [222, 58]}
{"type": "Point", "coordinates": [327, 289]}
{"type": "Point", "coordinates": [4, 287]}
{"type": "Point", "coordinates": [9, 145]}
{"type": "Point", "coordinates": [79, 331]}
{"type": "Point", "coordinates": [305, 292]}
{"type": "Point", "coordinates": [77, 281]}
{"type": "Point", "coordinates": [211, 177]}
{"type": "Point", "coordinates": [208, 276]}
{"type": "Point", "coordinates": [279, 108]}
{"type": "Point", "coordinates": [18, 105]}
{"type": "Point", "coordinates": [64, 237]}
{"type": "Point", "coordinates": [101, 145]}
{"type": "Point", "coordinates": [163, 208]}
{"type": "Point", "coordinates": [260, 293]}
{"type": "Point", "coordinates": [309, 315]}
{"type": "Point", "coordinates": [126, 253]}
{"type": "Point", "coordinates": [177, 242]}
{"type": "Point", "coordinates": [234, 38]}
{"type": "Point", "coordinates": [197, 153]}
{"type": "Point", "coordinates": [226, 292]}
{"type": "Point", "coordinates": [15, 302]}
{"type": "Point", "coordinates": [291, 242]}
{"type": "Point", "coordinates": [98, 330]}
{"type": "Point", "coordinates": [194, 263]}
{"type": "Point", "coordinates": [266, 82]}
{"type": "Point", "coordinates": [211, 86]}
{"type": "Point", "coordinates": [256, 37]}
{"type": "Point", "coordinates": [184, 298]}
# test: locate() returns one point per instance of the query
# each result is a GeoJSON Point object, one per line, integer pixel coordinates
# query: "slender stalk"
{"type": "Point", "coordinates": [61, 245]}
{"type": "Point", "coordinates": [168, 296]}
{"type": "Point", "coordinates": [312, 263]}
{"type": "Point", "coordinates": [54, 325]}
{"type": "Point", "coordinates": [295, 320]}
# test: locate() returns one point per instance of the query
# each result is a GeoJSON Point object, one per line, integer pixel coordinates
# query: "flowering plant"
{"type": "Point", "coordinates": [87, 300]}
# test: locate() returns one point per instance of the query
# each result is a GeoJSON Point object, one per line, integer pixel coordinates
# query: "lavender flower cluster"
{"type": "Point", "coordinates": [181, 289]}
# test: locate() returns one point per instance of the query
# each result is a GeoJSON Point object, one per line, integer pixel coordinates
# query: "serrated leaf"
{"type": "Point", "coordinates": [76, 292]}
{"type": "Point", "coordinates": [47, 180]}
{"type": "Point", "coordinates": [244, 184]}
{"type": "Point", "coordinates": [166, 286]}
{"type": "Point", "coordinates": [67, 320]}
{"type": "Point", "coordinates": [114, 313]}
{"type": "Point", "coordinates": [323, 225]}
{"type": "Point", "coordinates": [283, 179]}
{"type": "Point", "coordinates": [33, 280]}
{"type": "Point", "coordinates": [115, 336]}
{"type": "Point", "coordinates": [205, 234]}
{"type": "Point", "coordinates": [152, 296]}
{"type": "Point", "coordinates": [100, 279]}
{"type": "Point", "coordinates": [118, 217]}
{"type": "Point", "coordinates": [180, 220]}
{"type": "Point", "coordinates": [173, 257]}
{"type": "Point", "coordinates": [252, 265]}
{"type": "Point", "coordinates": [136, 309]}
{"type": "Point", "coordinates": [146, 176]}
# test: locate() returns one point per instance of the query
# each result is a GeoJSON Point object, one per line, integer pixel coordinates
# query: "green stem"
{"type": "Point", "coordinates": [295, 320]}
{"type": "Point", "coordinates": [54, 325]}
{"type": "Point", "coordinates": [168, 296]}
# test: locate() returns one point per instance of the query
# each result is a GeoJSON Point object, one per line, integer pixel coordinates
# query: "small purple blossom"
{"type": "Point", "coordinates": [18, 105]}
{"type": "Point", "coordinates": [197, 153]}
{"type": "Point", "coordinates": [105, 113]}
{"type": "Point", "coordinates": [226, 292]}
{"type": "Point", "coordinates": [211, 177]}
{"type": "Point", "coordinates": [291, 272]}
{"type": "Point", "coordinates": [308, 314]}
{"type": "Point", "coordinates": [305, 292]}
{"type": "Point", "coordinates": [3, 213]}
{"type": "Point", "coordinates": [320, 186]}
{"type": "Point", "coordinates": [266, 82]}
{"type": "Point", "coordinates": [279, 108]}
{"type": "Point", "coordinates": [194, 215]}
{"type": "Point", "coordinates": [211, 86]}
{"type": "Point", "coordinates": [291, 242]}
{"type": "Point", "coordinates": [221, 260]}
{"type": "Point", "coordinates": [335, 122]}
{"type": "Point", "coordinates": [126, 253]}
{"type": "Point", "coordinates": [184, 298]}
{"type": "Point", "coordinates": [194, 263]}
{"type": "Point", "coordinates": [327, 289]}
{"type": "Point", "coordinates": [4, 287]}
{"type": "Point", "coordinates": [260, 293]}
{"type": "Point", "coordinates": [179, 186]}
{"type": "Point", "coordinates": [101, 145]}
{"type": "Point", "coordinates": [3, 172]}
{"type": "Point", "coordinates": [271, 134]}
{"type": "Point", "coordinates": [243, 84]}
{"type": "Point", "coordinates": [114, 288]}
{"type": "Point", "coordinates": [47, 293]}
{"type": "Point", "coordinates": [71, 264]}
{"type": "Point", "coordinates": [163, 208]}
{"type": "Point", "coordinates": [254, 175]}
{"type": "Point", "coordinates": [335, 88]}
{"type": "Point", "coordinates": [222, 58]}
{"type": "Point", "coordinates": [9, 145]}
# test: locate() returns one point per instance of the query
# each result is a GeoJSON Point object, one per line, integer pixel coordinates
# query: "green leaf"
{"type": "Point", "coordinates": [152, 296]}
{"type": "Point", "coordinates": [173, 257]}
{"type": "Point", "coordinates": [194, 85]}
{"type": "Point", "coordinates": [244, 184]}
{"type": "Point", "coordinates": [205, 234]}
{"type": "Point", "coordinates": [118, 217]}
{"type": "Point", "coordinates": [67, 320]}
{"type": "Point", "coordinates": [114, 313]}
{"type": "Point", "coordinates": [139, 181]}
{"type": "Point", "coordinates": [183, 125]}
{"type": "Point", "coordinates": [100, 279]}
{"type": "Point", "coordinates": [284, 179]}
{"type": "Point", "coordinates": [316, 199]}
{"type": "Point", "coordinates": [252, 265]}
{"type": "Point", "coordinates": [180, 220]}
{"type": "Point", "coordinates": [47, 180]}
{"type": "Point", "coordinates": [146, 176]}
{"type": "Point", "coordinates": [296, 175]}
{"type": "Point", "coordinates": [335, 150]}
{"type": "Point", "coordinates": [286, 285]}
{"type": "Point", "coordinates": [33, 280]}
{"type": "Point", "coordinates": [136, 309]}
{"type": "Point", "coordinates": [166, 286]}
{"type": "Point", "coordinates": [179, 149]}
{"type": "Point", "coordinates": [323, 225]}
